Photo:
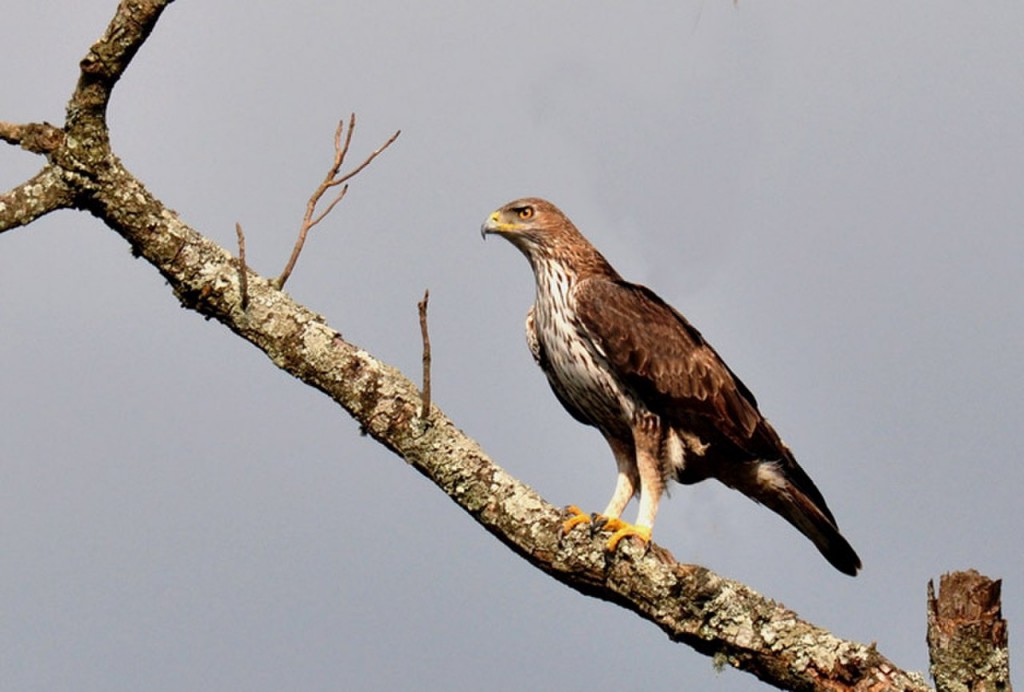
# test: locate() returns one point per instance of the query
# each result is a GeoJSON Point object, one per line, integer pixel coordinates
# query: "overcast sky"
{"type": "Point", "coordinates": [831, 193]}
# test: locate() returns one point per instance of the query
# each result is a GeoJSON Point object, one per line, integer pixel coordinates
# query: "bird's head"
{"type": "Point", "coordinates": [531, 224]}
{"type": "Point", "coordinates": [547, 237]}
{"type": "Point", "coordinates": [536, 226]}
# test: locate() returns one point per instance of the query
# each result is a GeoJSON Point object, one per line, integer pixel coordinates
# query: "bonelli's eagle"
{"type": "Point", "coordinates": [621, 359]}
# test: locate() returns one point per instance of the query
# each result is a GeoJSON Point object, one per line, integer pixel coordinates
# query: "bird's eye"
{"type": "Point", "coordinates": [525, 213]}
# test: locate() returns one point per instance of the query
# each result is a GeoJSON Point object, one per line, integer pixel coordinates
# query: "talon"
{"type": "Point", "coordinates": [578, 517]}
{"type": "Point", "coordinates": [623, 530]}
{"type": "Point", "coordinates": [605, 523]}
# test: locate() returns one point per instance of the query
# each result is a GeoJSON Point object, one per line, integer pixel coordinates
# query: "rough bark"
{"type": "Point", "coordinates": [967, 636]}
{"type": "Point", "coordinates": [714, 615]}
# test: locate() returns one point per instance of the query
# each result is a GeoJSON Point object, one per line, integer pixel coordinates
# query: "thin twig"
{"type": "Point", "coordinates": [243, 271]}
{"type": "Point", "coordinates": [425, 392]}
{"type": "Point", "coordinates": [333, 179]}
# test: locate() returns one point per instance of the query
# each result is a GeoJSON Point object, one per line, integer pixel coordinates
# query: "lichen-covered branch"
{"type": "Point", "coordinates": [106, 61]}
{"type": "Point", "coordinates": [714, 615]}
{"type": "Point", "coordinates": [39, 195]}
{"type": "Point", "coordinates": [82, 146]}
{"type": "Point", "coordinates": [45, 191]}
{"type": "Point", "coordinates": [39, 138]}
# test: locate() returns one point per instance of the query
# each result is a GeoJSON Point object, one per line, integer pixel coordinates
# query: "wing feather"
{"type": "Point", "coordinates": [654, 350]}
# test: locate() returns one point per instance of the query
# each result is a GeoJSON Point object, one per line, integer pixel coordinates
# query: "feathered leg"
{"type": "Point", "coordinates": [627, 481]}
{"type": "Point", "coordinates": [647, 436]}
{"type": "Point", "coordinates": [626, 484]}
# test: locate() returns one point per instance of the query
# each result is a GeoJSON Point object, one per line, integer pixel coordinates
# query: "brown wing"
{"type": "Point", "coordinates": [665, 360]}
{"type": "Point", "coordinates": [655, 351]}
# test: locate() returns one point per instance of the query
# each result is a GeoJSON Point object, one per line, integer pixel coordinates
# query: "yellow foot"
{"type": "Point", "coordinates": [622, 529]}
{"type": "Point", "coordinates": [618, 528]}
{"type": "Point", "coordinates": [578, 517]}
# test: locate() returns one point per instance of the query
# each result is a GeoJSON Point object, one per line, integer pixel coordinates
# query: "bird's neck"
{"type": "Point", "coordinates": [558, 273]}
{"type": "Point", "coordinates": [570, 261]}
{"type": "Point", "coordinates": [555, 281]}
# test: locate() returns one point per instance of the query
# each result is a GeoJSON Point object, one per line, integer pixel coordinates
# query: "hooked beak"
{"type": "Point", "coordinates": [494, 224]}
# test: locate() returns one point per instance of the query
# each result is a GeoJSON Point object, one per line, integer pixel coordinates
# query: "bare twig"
{"type": "Point", "coordinates": [425, 392]}
{"type": "Point", "coordinates": [333, 179]}
{"type": "Point", "coordinates": [243, 271]}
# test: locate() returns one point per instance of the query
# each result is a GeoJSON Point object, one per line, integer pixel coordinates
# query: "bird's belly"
{"type": "Point", "coordinates": [583, 379]}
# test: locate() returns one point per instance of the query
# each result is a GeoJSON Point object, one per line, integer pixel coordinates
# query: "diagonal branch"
{"type": "Point", "coordinates": [714, 615]}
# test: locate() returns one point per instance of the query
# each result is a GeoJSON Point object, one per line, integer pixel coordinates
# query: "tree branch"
{"type": "Point", "coordinates": [714, 615]}
{"type": "Point", "coordinates": [83, 144]}
{"type": "Point", "coordinates": [332, 179]}
{"type": "Point", "coordinates": [43, 192]}
{"type": "Point", "coordinates": [39, 138]}
{"type": "Point", "coordinates": [39, 195]}
{"type": "Point", "coordinates": [106, 61]}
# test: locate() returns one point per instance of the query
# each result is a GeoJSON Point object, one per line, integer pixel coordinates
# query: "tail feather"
{"type": "Point", "coordinates": [783, 487]}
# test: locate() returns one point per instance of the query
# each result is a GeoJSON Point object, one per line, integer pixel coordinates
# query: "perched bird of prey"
{"type": "Point", "coordinates": [621, 359]}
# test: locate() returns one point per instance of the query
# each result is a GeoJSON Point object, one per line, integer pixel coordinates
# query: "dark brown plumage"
{"type": "Point", "coordinates": [622, 360]}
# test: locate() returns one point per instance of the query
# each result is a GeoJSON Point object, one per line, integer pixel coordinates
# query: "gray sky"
{"type": "Point", "coordinates": [831, 194]}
